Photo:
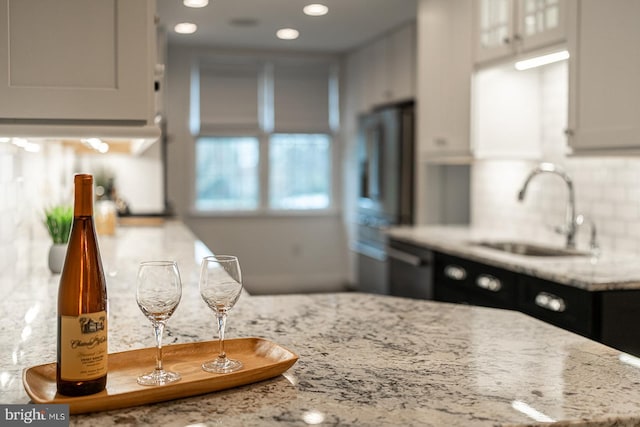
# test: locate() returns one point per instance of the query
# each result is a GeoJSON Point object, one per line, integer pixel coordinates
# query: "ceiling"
{"type": "Point", "coordinates": [349, 23]}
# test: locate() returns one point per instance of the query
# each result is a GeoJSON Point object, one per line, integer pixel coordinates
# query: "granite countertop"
{"type": "Point", "coordinates": [364, 359]}
{"type": "Point", "coordinates": [611, 271]}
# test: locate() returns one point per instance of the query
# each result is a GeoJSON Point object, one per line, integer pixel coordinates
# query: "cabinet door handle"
{"type": "Point", "coordinates": [550, 302]}
{"type": "Point", "coordinates": [489, 282]}
{"type": "Point", "coordinates": [455, 272]}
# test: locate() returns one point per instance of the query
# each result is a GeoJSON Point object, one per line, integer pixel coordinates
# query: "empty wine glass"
{"type": "Point", "coordinates": [220, 288]}
{"type": "Point", "coordinates": [158, 292]}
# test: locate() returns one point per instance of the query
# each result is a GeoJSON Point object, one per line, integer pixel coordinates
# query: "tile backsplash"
{"type": "Point", "coordinates": [607, 189]}
{"type": "Point", "coordinates": [607, 192]}
{"type": "Point", "coordinates": [29, 182]}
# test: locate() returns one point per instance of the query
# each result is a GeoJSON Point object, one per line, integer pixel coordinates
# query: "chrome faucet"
{"type": "Point", "coordinates": [570, 215]}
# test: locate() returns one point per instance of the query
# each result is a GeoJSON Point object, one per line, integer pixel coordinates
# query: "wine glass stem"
{"type": "Point", "coordinates": [158, 328]}
{"type": "Point", "coordinates": [222, 321]}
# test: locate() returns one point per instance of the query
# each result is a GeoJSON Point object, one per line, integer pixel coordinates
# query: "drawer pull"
{"type": "Point", "coordinates": [405, 257]}
{"type": "Point", "coordinates": [455, 272]}
{"type": "Point", "coordinates": [488, 282]}
{"type": "Point", "coordinates": [550, 302]}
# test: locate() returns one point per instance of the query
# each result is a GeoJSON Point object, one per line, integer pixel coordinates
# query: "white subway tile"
{"type": "Point", "coordinates": [6, 167]}
{"type": "Point", "coordinates": [627, 211]}
{"type": "Point", "coordinates": [625, 244]}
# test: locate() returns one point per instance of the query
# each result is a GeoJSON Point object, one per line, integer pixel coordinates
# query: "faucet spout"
{"type": "Point", "coordinates": [570, 214]}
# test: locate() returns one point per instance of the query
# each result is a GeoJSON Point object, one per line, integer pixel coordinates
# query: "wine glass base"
{"type": "Point", "coordinates": [222, 366]}
{"type": "Point", "coordinates": [158, 378]}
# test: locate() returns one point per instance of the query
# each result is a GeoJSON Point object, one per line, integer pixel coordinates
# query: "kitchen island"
{"type": "Point", "coordinates": [364, 359]}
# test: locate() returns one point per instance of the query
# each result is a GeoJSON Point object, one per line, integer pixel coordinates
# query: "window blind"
{"type": "Point", "coordinates": [301, 97]}
{"type": "Point", "coordinates": [229, 97]}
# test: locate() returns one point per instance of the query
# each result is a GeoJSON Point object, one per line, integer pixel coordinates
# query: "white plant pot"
{"type": "Point", "coordinates": [57, 252]}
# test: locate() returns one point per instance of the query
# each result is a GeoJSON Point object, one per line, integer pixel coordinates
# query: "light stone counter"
{"type": "Point", "coordinates": [365, 360]}
{"type": "Point", "coordinates": [609, 272]}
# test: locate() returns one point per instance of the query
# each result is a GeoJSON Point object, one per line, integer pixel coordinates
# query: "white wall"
{"type": "Point", "coordinates": [138, 179]}
{"type": "Point", "coordinates": [278, 254]}
{"type": "Point", "coordinates": [607, 188]}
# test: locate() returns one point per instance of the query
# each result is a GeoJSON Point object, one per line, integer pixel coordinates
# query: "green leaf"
{"type": "Point", "coordinates": [58, 220]}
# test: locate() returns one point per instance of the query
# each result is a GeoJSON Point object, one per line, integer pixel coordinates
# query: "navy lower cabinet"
{"type": "Point", "coordinates": [467, 282]}
{"type": "Point", "coordinates": [611, 316]}
{"type": "Point", "coordinates": [564, 306]}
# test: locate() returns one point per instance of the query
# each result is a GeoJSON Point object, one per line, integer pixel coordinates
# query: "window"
{"type": "Point", "coordinates": [300, 166]}
{"type": "Point", "coordinates": [227, 173]}
{"type": "Point", "coordinates": [264, 132]}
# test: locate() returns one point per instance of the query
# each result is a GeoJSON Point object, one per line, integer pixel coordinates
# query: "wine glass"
{"type": "Point", "coordinates": [158, 292]}
{"type": "Point", "coordinates": [220, 288]}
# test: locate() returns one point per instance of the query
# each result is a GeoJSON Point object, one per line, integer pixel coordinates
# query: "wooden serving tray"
{"type": "Point", "coordinates": [262, 359]}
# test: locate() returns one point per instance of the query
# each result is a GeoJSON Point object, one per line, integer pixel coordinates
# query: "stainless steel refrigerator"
{"type": "Point", "coordinates": [385, 188]}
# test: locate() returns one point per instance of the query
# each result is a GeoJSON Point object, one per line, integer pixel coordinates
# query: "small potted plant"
{"type": "Point", "coordinates": [58, 220]}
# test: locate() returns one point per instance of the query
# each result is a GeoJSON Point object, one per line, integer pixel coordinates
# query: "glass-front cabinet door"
{"type": "Point", "coordinates": [494, 31]}
{"type": "Point", "coordinates": [508, 27]}
{"type": "Point", "coordinates": [541, 22]}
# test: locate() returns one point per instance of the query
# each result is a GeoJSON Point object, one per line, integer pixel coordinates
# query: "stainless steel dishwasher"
{"type": "Point", "coordinates": [410, 270]}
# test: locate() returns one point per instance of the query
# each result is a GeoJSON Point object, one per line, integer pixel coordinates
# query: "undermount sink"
{"type": "Point", "coordinates": [529, 249]}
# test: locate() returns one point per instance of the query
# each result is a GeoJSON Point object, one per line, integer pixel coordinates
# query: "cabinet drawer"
{"type": "Point", "coordinates": [480, 284]}
{"type": "Point", "coordinates": [563, 306]}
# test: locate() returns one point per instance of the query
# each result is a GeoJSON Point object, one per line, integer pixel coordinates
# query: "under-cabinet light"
{"type": "Point", "coordinates": [97, 144]}
{"type": "Point", "coordinates": [542, 60]}
{"type": "Point", "coordinates": [28, 146]}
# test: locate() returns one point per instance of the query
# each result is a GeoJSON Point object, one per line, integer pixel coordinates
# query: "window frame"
{"type": "Point", "coordinates": [263, 206]}
{"type": "Point", "coordinates": [263, 135]}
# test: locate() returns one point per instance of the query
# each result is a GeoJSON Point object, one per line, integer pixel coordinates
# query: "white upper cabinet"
{"type": "Point", "coordinates": [509, 27]}
{"type": "Point", "coordinates": [401, 48]}
{"type": "Point", "coordinates": [383, 71]}
{"type": "Point", "coordinates": [77, 61]}
{"type": "Point", "coordinates": [604, 77]}
{"type": "Point", "coordinates": [375, 73]}
{"type": "Point", "coordinates": [445, 67]}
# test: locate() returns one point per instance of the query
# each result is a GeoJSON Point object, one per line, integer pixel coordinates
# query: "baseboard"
{"type": "Point", "coordinates": [294, 284]}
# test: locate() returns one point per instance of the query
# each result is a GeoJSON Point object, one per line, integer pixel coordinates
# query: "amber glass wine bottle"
{"type": "Point", "coordinates": [82, 303]}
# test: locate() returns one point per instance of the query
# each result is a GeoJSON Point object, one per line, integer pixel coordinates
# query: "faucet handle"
{"type": "Point", "coordinates": [594, 247]}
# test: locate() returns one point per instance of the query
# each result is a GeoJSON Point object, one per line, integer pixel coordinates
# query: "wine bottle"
{"type": "Point", "coordinates": [82, 303]}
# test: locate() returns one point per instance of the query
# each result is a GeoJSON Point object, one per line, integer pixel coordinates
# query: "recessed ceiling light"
{"type": "Point", "coordinates": [185, 28]}
{"type": "Point", "coordinates": [195, 3]}
{"type": "Point", "coordinates": [287, 34]}
{"type": "Point", "coordinates": [315, 9]}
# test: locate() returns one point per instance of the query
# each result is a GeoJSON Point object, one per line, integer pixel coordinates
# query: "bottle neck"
{"type": "Point", "coordinates": [83, 200]}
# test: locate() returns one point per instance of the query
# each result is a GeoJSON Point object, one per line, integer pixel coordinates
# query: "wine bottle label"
{"type": "Point", "coordinates": [83, 346]}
